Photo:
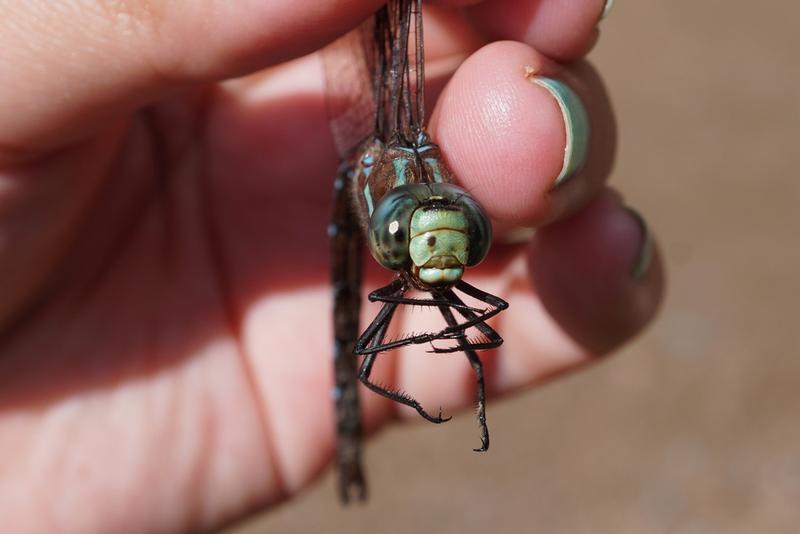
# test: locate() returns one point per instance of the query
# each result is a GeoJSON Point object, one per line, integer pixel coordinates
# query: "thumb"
{"type": "Point", "coordinates": [70, 67]}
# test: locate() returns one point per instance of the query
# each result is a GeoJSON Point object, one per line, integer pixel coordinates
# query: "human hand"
{"type": "Point", "coordinates": [164, 321]}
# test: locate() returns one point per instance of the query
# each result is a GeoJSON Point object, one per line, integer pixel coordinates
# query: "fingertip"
{"type": "Point", "coordinates": [503, 136]}
{"type": "Point", "coordinates": [514, 125]}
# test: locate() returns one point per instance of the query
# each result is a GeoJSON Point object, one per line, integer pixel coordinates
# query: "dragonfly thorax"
{"type": "Point", "coordinates": [431, 231]}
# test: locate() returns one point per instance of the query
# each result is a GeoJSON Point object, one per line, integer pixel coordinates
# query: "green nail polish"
{"type": "Point", "coordinates": [576, 124]}
{"type": "Point", "coordinates": [645, 258]}
{"type": "Point", "coordinates": [607, 9]}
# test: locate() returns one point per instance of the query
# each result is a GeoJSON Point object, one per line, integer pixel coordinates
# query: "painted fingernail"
{"type": "Point", "coordinates": [645, 257]}
{"type": "Point", "coordinates": [607, 9]}
{"type": "Point", "coordinates": [576, 123]}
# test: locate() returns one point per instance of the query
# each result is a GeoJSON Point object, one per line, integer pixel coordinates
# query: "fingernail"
{"type": "Point", "coordinates": [607, 9]}
{"type": "Point", "coordinates": [645, 257]}
{"type": "Point", "coordinates": [576, 123]}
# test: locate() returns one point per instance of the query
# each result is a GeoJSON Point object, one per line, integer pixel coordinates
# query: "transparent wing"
{"type": "Point", "coordinates": [348, 64]}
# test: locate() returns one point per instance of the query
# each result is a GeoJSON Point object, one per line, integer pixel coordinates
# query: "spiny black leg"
{"type": "Point", "coordinates": [491, 338]}
{"type": "Point", "coordinates": [477, 366]}
{"type": "Point", "coordinates": [392, 289]}
{"type": "Point", "coordinates": [455, 331]}
{"type": "Point", "coordinates": [375, 296]}
{"type": "Point", "coordinates": [417, 339]}
{"type": "Point", "coordinates": [451, 332]}
{"type": "Point", "coordinates": [483, 296]}
{"type": "Point", "coordinates": [378, 326]}
{"type": "Point", "coordinates": [376, 338]}
{"type": "Point", "coordinates": [397, 396]}
{"type": "Point", "coordinates": [471, 344]}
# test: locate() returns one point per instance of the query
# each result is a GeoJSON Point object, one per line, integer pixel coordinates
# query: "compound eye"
{"type": "Point", "coordinates": [480, 229]}
{"type": "Point", "coordinates": [387, 236]}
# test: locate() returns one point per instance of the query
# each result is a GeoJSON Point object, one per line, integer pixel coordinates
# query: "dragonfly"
{"type": "Point", "coordinates": [394, 194]}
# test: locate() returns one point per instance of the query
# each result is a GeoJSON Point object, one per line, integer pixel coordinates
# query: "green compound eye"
{"type": "Point", "coordinates": [387, 236]}
{"type": "Point", "coordinates": [437, 228]}
{"type": "Point", "coordinates": [479, 230]}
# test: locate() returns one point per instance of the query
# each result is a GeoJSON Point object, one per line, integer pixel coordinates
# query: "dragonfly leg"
{"type": "Point", "coordinates": [395, 395]}
{"type": "Point", "coordinates": [498, 303]}
{"type": "Point", "coordinates": [454, 331]}
{"type": "Point", "coordinates": [477, 366]}
{"type": "Point", "coordinates": [377, 329]}
{"type": "Point", "coordinates": [491, 339]}
{"type": "Point", "coordinates": [374, 337]}
{"type": "Point", "coordinates": [474, 317]}
{"type": "Point", "coordinates": [382, 296]}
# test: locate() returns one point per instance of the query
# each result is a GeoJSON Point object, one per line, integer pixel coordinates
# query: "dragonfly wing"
{"type": "Point", "coordinates": [347, 63]}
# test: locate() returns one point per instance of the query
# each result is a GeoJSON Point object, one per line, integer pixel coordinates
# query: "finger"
{"type": "Point", "coordinates": [69, 69]}
{"type": "Point", "coordinates": [592, 282]}
{"type": "Point", "coordinates": [596, 281]}
{"type": "Point", "coordinates": [505, 134]}
{"type": "Point", "coordinates": [562, 30]}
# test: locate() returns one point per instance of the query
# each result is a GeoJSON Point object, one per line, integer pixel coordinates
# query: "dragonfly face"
{"type": "Point", "coordinates": [431, 231]}
{"type": "Point", "coordinates": [419, 222]}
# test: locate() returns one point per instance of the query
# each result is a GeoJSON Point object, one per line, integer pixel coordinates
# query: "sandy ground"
{"type": "Point", "coordinates": [695, 427]}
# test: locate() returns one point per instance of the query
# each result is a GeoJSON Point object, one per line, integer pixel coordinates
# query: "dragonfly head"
{"type": "Point", "coordinates": [431, 230]}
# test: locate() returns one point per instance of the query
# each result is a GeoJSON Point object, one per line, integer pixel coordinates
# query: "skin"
{"type": "Point", "coordinates": [164, 328]}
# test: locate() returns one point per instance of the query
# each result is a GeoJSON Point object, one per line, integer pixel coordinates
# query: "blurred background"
{"type": "Point", "coordinates": [694, 427]}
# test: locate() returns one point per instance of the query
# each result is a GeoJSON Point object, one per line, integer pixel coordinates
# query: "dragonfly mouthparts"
{"type": "Point", "coordinates": [443, 262]}
{"type": "Point", "coordinates": [436, 276]}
